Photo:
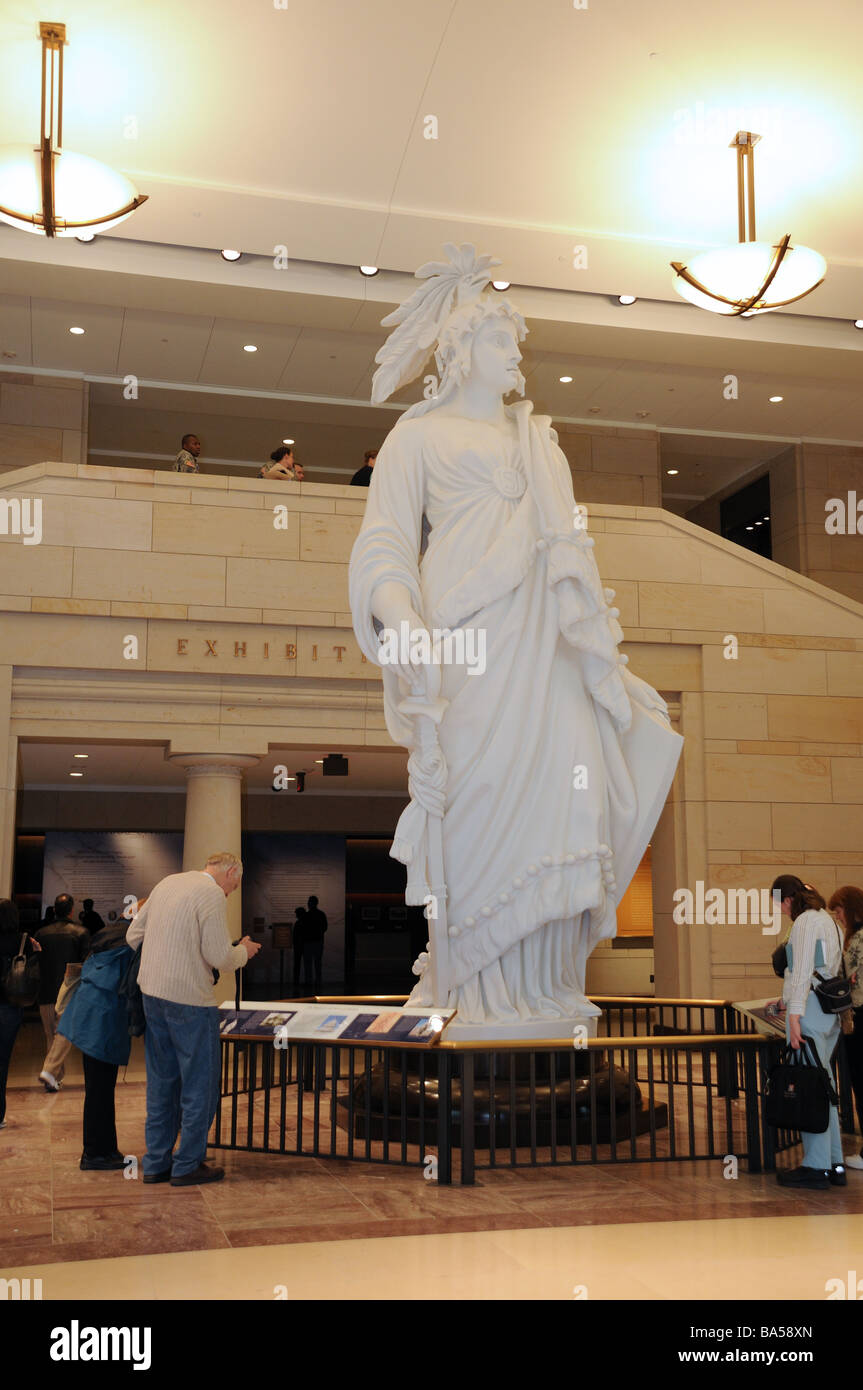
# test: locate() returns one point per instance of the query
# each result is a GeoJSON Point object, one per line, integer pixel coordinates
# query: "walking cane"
{"type": "Point", "coordinates": [426, 708]}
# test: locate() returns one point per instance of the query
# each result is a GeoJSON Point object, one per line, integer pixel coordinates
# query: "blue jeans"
{"type": "Point", "coordinates": [821, 1150]}
{"type": "Point", "coordinates": [10, 1022]}
{"type": "Point", "coordinates": [182, 1048]}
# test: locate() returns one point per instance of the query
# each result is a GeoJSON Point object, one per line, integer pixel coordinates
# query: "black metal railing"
{"type": "Point", "coordinates": [615, 1100]}
{"type": "Point", "coordinates": [645, 1092]}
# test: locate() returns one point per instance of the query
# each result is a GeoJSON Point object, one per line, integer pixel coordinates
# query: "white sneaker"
{"type": "Point", "coordinates": [854, 1161]}
{"type": "Point", "coordinates": [51, 1082]}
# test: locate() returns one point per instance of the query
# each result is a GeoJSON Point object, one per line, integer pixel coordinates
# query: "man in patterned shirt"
{"type": "Point", "coordinates": [187, 459]}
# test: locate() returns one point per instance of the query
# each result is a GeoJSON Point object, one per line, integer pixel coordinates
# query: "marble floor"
{"type": "Point", "coordinates": [621, 1229]}
{"type": "Point", "coordinates": [779, 1258]}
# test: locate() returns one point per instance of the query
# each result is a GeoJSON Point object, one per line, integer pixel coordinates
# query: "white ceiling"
{"type": "Point", "coordinates": [305, 126]}
{"type": "Point", "coordinates": [144, 767]}
{"type": "Point", "coordinates": [605, 127]}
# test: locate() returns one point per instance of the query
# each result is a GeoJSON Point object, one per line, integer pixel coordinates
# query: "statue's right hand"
{"type": "Point", "coordinates": [405, 646]}
{"type": "Point", "coordinates": [404, 637]}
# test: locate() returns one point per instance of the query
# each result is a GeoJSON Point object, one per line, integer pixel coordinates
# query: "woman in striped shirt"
{"type": "Point", "coordinates": [815, 943]}
{"type": "Point", "coordinates": [846, 905]}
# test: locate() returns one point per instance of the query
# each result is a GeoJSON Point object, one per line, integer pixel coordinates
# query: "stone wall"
{"type": "Point", "coordinates": [41, 417]}
{"type": "Point", "coordinates": [802, 480]}
{"type": "Point", "coordinates": [830, 471]}
{"type": "Point", "coordinates": [245, 645]}
{"type": "Point", "coordinates": [612, 465]}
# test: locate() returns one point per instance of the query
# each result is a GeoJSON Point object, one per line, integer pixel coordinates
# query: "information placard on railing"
{"type": "Point", "coordinates": [406, 1026]}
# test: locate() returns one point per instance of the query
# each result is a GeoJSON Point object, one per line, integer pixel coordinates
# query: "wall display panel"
{"type": "Point", "coordinates": [280, 872]}
{"type": "Point", "coordinates": [107, 866]}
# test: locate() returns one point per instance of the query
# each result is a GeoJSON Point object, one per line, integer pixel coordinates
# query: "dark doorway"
{"type": "Point", "coordinates": [382, 937]}
{"type": "Point", "coordinates": [744, 517]}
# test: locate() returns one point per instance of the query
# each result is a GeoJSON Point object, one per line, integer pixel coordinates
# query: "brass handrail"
{"type": "Point", "coordinates": [647, 999]}
{"type": "Point", "coordinates": [600, 1044]}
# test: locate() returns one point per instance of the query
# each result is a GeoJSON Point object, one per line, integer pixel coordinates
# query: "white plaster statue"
{"type": "Point", "coordinates": [542, 776]}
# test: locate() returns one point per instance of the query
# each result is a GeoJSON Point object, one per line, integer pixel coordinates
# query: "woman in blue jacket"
{"type": "Point", "coordinates": [95, 1020]}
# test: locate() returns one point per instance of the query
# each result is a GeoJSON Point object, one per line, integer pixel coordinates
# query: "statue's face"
{"type": "Point", "coordinates": [495, 355]}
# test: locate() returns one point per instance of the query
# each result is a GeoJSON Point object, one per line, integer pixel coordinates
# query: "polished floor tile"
{"type": "Point", "coordinates": [787, 1258]}
{"type": "Point", "coordinates": [629, 1230]}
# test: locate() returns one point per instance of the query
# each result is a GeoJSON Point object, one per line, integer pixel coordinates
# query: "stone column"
{"type": "Point", "coordinates": [8, 783]}
{"type": "Point", "coordinates": [213, 822]}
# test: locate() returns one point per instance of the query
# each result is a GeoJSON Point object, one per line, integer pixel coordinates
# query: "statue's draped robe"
{"type": "Point", "coordinates": [558, 760]}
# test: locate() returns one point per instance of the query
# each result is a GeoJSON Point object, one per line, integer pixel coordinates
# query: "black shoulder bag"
{"type": "Point", "coordinates": [834, 995]}
{"type": "Point", "coordinates": [799, 1092]}
{"type": "Point", "coordinates": [779, 960]}
{"type": "Point", "coordinates": [21, 980]}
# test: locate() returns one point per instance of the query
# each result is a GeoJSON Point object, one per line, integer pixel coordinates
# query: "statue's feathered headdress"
{"type": "Point", "coordinates": [449, 285]}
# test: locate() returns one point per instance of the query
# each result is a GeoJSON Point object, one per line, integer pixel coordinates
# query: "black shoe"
{"type": "Point", "coordinates": [815, 1178]}
{"type": "Point", "coordinates": [111, 1164]}
{"type": "Point", "coordinates": [199, 1175]}
{"type": "Point", "coordinates": [838, 1176]}
{"type": "Point", "coordinates": [158, 1177]}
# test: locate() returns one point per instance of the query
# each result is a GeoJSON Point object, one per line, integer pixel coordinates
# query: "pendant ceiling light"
{"type": "Point", "coordinates": [52, 191]}
{"type": "Point", "coordinates": [752, 277]}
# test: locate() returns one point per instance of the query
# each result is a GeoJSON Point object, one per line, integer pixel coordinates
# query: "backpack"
{"type": "Point", "coordinates": [130, 990]}
{"type": "Point", "coordinates": [21, 979]}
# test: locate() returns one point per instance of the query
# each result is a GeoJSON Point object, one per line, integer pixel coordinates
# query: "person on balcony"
{"type": "Point", "coordinates": [283, 467]}
{"type": "Point", "coordinates": [187, 459]}
{"type": "Point", "coordinates": [363, 476]}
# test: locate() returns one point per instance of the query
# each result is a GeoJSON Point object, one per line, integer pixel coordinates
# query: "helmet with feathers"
{"type": "Point", "coordinates": [441, 316]}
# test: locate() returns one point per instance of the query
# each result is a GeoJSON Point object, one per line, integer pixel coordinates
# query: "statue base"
{"type": "Point", "coordinates": [520, 1098]}
{"type": "Point", "coordinates": [580, 1026]}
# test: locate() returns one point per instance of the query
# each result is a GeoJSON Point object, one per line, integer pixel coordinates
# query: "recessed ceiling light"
{"type": "Point", "coordinates": [287, 441]}
{"type": "Point", "coordinates": [642, 414]}
{"type": "Point", "coordinates": [76, 774]}
{"type": "Point", "coordinates": [249, 347]}
{"type": "Point", "coordinates": [758, 523]}
{"type": "Point", "coordinates": [501, 285]}
{"type": "Point", "coordinates": [76, 330]}
{"type": "Point", "coordinates": [672, 472]}
{"type": "Point", "coordinates": [229, 255]}
{"type": "Point", "coordinates": [750, 528]}
{"type": "Point", "coordinates": [369, 270]}
{"type": "Point", "coordinates": [86, 237]}
{"type": "Point", "coordinates": [594, 409]}
{"type": "Point", "coordinates": [81, 755]}
{"type": "Point", "coordinates": [626, 298]}
{"type": "Point", "coordinates": [565, 379]}
{"type": "Point", "coordinates": [858, 323]}
{"type": "Point", "coordinates": [319, 760]}
{"type": "Point", "coordinates": [775, 399]}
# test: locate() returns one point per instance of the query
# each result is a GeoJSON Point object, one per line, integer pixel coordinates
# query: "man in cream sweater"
{"type": "Point", "coordinates": [184, 929]}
